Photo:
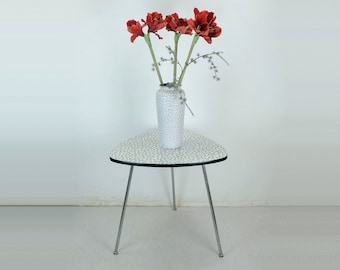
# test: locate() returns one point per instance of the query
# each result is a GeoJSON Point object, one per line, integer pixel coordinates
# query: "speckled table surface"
{"type": "Point", "coordinates": [145, 150]}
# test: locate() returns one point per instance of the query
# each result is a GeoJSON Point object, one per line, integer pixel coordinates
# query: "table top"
{"type": "Point", "coordinates": [145, 150]}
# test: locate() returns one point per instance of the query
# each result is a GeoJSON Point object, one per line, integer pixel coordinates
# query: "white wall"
{"type": "Point", "coordinates": [72, 86]}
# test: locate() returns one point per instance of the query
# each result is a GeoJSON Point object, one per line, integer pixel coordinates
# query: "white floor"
{"type": "Point", "coordinates": [158, 238]}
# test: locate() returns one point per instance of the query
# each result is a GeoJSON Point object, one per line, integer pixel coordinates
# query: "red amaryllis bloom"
{"type": "Point", "coordinates": [204, 24]}
{"type": "Point", "coordinates": [135, 28]}
{"type": "Point", "coordinates": [214, 31]}
{"type": "Point", "coordinates": [155, 22]}
{"type": "Point", "coordinates": [175, 24]}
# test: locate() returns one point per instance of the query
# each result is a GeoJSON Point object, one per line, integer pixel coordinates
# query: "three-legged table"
{"type": "Point", "coordinates": [145, 150]}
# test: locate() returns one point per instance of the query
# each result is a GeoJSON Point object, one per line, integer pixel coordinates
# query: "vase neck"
{"type": "Point", "coordinates": [168, 88]}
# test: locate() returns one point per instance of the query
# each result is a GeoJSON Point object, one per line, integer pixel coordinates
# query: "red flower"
{"type": "Point", "coordinates": [204, 25]}
{"type": "Point", "coordinates": [135, 28]}
{"type": "Point", "coordinates": [175, 24]}
{"type": "Point", "coordinates": [214, 31]}
{"type": "Point", "coordinates": [155, 22]}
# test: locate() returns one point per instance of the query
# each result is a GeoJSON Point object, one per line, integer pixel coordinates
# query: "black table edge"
{"type": "Point", "coordinates": [168, 165]}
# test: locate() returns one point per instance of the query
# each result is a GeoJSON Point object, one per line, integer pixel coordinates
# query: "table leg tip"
{"type": "Point", "coordinates": [115, 252]}
{"type": "Point", "coordinates": [221, 255]}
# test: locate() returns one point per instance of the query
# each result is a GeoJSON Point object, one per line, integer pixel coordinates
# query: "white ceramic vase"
{"type": "Point", "coordinates": [170, 116]}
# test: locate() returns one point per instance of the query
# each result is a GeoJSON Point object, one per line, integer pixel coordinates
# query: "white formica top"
{"type": "Point", "coordinates": [145, 150]}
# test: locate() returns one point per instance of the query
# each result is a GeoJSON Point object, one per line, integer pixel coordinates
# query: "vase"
{"type": "Point", "coordinates": [170, 116]}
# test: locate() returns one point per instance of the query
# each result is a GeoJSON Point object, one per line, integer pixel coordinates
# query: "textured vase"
{"type": "Point", "coordinates": [170, 116]}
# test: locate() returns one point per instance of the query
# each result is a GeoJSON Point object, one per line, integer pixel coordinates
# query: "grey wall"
{"type": "Point", "coordinates": [72, 86]}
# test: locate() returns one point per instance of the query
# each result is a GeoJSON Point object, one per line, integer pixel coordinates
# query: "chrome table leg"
{"type": "Point", "coordinates": [173, 189]}
{"type": "Point", "coordinates": [212, 212]}
{"type": "Point", "coordinates": [123, 211]}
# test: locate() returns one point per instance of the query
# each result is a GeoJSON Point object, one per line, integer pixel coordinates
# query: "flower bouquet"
{"type": "Point", "coordinates": [203, 25]}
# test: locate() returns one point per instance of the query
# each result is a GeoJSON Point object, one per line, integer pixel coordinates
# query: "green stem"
{"type": "Point", "coordinates": [177, 36]}
{"type": "Point", "coordinates": [148, 41]}
{"type": "Point", "coordinates": [194, 41]}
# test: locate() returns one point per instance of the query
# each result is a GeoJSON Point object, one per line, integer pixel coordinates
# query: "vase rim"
{"type": "Point", "coordinates": [166, 86]}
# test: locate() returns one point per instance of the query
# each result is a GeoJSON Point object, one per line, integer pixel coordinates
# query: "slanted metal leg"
{"type": "Point", "coordinates": [123, 211]}
{"type": "Point", "coordinates": [173, 189]}
{"type": "Point", "coordinates": [212, 212]}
